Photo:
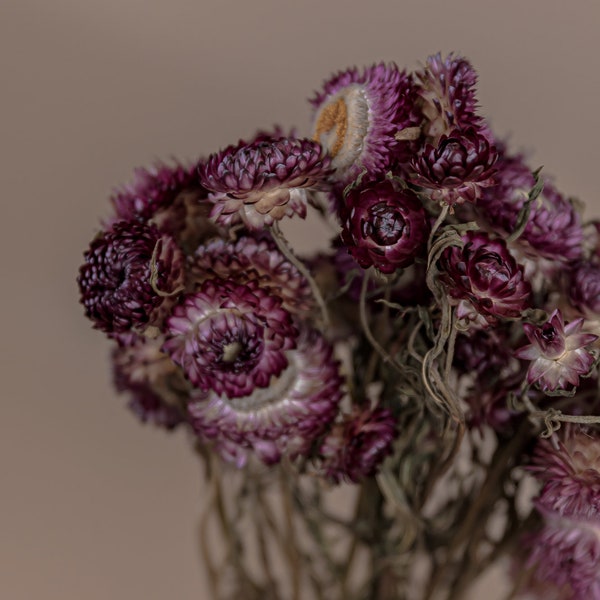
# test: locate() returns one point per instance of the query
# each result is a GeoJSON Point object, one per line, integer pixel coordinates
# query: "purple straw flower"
{"type": "Point", "coordinates": [251, 259]}
{"type": "Point", "coordinates": [282, 419]}
{"type": "Point", "coordinates": [264, 181]}
{"type": "Point", "coordinates": [449, 100]}
{"type": "Point", "coordinates": [358, 116]}
{"type": "Point", "coordinates": [558, 353]}
{"type": "Point", "coordinates": [457, 169]}
{"type": "Point", "coordinates": [230, 338]}
{"type": "Point", "coordinates": [130, 278]}
{"type": "Point", "coordinates": [584, 288]}
{"type": "Point", "coordinates": [570, 473]}
{"type": "Point", "coordinates": [356, 446]}
{"type": "Point", "coordinates": [384, 227]}
{"type": "Point", "coordinates": [484, 273]}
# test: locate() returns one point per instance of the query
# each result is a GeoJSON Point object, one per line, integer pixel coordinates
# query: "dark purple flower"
{"type": "Point", "coordinates": [553, 231]}
{"type": "Point", "coordinates": [570, 473]}
{"type": "Point", "coordinates": [457, 169]}
{"type": "Point", "coordinates": [230, 338]}
{"type": "Point", "coordinates": [156, 386]}
{"type": "Point", "coordinates": [584, 288]}
{"type": "Point", "coordinates": [356, 446]}
{"type": "Point", "coordinates": [384, 226]}
{"type": "Point", "coordinates": [360, 116]}
{"type": "Point", "coordinates": [558, 353]}
{"type": "Point", "coordinates": [262, 182]}
{"type": "Point", "coordinates": [282, 419]}
{"type": "Point", "coordinates": [130, 277]}
{"type": "Point", "coordinates": [484, 273]}
{"type": "Point", "coordinates": [251, 259]}
{"type": "Point", "coordinates": [449, 100]}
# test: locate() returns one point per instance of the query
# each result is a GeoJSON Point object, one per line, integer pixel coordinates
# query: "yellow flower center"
{"type": "Point", "coordinates": [333, 116]}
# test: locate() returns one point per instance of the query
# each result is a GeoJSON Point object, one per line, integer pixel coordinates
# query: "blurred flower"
{"type": "Point", "coordinates": [447, 87]}
{"type": "Point", "coordinates": [230, 338]}
{"type": "Point", "coordinates": [553, 231]}
{"type": "Point", "coordinates": [358, 116]}
{"type": "Point", "coordinates": [584, 288]}
{"type": "Point", "coordinates": [484, 273]}
{"type": "Point", "coordinates": [569, 470]}
{"type": "Point", "coordinates": [567, 554]}
{"type": "Point", "coordinates": [262, 182]}
{"type": "Point", "coordinates": [457, 169]}
{"type": "Point", "coordinates": [130, 277]}
{"type": "Point", "coordinates": [557, 353]}
{"type": "Point", "coordinates": [356, 446]}
{"type": "Point", "coordinates": [282, 419]}
{"type": "Point", "coordinates": [384, 227]}
{"type": "Point", "coordinates": [251, 259]}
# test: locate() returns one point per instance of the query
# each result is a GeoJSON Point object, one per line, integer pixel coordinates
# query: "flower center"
{"type": "Point", "coordinates": [333, 118]}
{"type": "Point", "coordinates": [342, 126]}
{"type": "Point", "coordinates": [387, 225]}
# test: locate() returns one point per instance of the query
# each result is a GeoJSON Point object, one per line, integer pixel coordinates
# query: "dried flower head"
{"type": "Point", "coordinates": [360, 118]}
{"type": "Point", "coordinates": [584, 288]}
{"type": "Point", "coordinates": [264, 181]}
{"type": "Point", "coordinates": [357, 445]}
{"type": "Point", "coordinates": [447, 89]}
{"type": "Point", "coordinates": [230, 338]}
{"type": "Point", "coordinates": [484, 273]}
{"type": "Point", "coordinates": [282, 419]}
{"type": "Point", "coordinates": [458, 169]}
{"type": "Point", "coordinates": [558, 353]}
{"type": "Point", "coordinates": [384, 226]}
{"type": "Point", "coordinates": [130, 277]}
{"type": "Point", "coordinates": [569, 470]}
{"type": "Point", "coordinates": [250, 259]}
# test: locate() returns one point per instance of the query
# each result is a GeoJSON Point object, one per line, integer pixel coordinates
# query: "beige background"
{"type": "Point", "coordinates": [93, 505]}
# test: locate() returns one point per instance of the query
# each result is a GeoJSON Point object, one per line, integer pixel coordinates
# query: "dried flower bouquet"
{"type": "Point", "coordinates": [372, 417]}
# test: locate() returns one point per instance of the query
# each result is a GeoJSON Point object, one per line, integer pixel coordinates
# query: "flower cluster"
{"type": "Point", "coordinates": [458, 300]}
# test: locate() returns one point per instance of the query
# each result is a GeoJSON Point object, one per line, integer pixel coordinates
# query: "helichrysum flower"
{"type": "Point", "coordinates": [130, 277]}
{"type": "Point", "coordinates": [384, 226]}
{"type": "Point", "coordinates": [458, 168]}
{"type": "Point", "coordinates": [557, 352]}
{"type": "Point", "coordinates": [251, 259]}
{"type": "Point", "coordinates": [360, 116]}
{"type": "Point", "coordinates": [282, 419]}
{"type": "Point", "coordinates": [553, 230]}
{"type": "Point", "coordinates": [570, 474]}
{"type": "Point", "coordinates": [230, 338]}
{"type": "Point", "coordinates": [447, 89]}
{"type": "Point", "coordinates": [584, 288]}
{"type": "Point", "coordinates": [357, 445]}
{"type": "Point", "coordinates": [566, 553]}
{"type": "Point", "coordinates": [484, 273]}
{"type": "Point", "coordinates": [263, 181]}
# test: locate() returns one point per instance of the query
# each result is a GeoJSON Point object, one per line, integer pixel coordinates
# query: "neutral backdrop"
{"type": "Point", "coordinates": [93, 505]}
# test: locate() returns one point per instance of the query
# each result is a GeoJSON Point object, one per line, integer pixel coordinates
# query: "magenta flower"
{"type": "Point", "coordinates": [155, 384]}
{"type": "Point", "coordinates": [356, 446]}
{"type": "Point", "coordinates": [558, 353]}
{"type": "Point", "coordinates": [358, 116]}
{"type": "Point", "coordinates": [284, 418]}
{"type": "Point", "coordinates": [449, 100]}
{"type": "Point", "coordinates": [457, 169]}
{"type": "Point", "coordinates": [251, 259]}
{"type": "Point", "coordinates": [230, 338]}
{"type": "Point", "coordinates": [484, 273]}
{"type": "Point", "coordinates": [584, 288]}
{"type": "Point", "coordinates": [384, 227]}
{"type": "Point", "coordinates": [264, 181]}
{"type": "Point", "coordinates": [130, 277]}
{"type": "Point", "coordinates": [553, 231]}
{"type": "Point", "coordinates": [570, 474]}
{"type": "Point", "coordinates": [566, 553]}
